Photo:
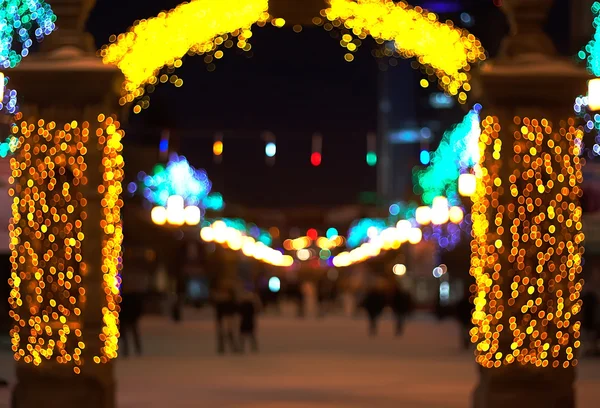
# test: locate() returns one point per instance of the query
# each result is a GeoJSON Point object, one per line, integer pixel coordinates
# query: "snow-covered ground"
{"type": "Point", "coordinates": [327, 363]}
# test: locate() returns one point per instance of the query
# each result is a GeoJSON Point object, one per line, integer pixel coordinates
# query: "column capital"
{"type": "Point", "coordinates": [71, 18]}
{"type": "Point", "coordinates": [527, 36]}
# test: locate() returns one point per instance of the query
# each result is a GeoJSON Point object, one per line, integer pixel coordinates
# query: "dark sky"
{"type": "Point", "coordinates": [294, 85]}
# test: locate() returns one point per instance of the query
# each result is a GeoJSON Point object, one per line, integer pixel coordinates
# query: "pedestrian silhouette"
{"type": "Point", "coordinates": [374, 303]}
{"type": "Point", "coordinates": [248, 308]}
{"type": "Point", "coordinates": [225, 310]}
{"type": "Point", "coordinates": [402, 306]}
{"type": "Point", "coordinates": [131, 313]}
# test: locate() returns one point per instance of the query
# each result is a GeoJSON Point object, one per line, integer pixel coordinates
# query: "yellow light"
{"type": "Point", "coordinates": [50, 202]}
{"type": "Point", "coordinates": [423, 215]}
{"type": "Point", "coordinates": [594, 94]}
{"type": "Point", "coordinates": [467, 183]}
{"type": "Point", "coordinates": [446, 51]}
{"type": "Point", "coordinates": [533, 238]}
{"type": "Point", "coordinates": [403, 230]}
{"type": "Point", "coordinates": [192, 215]}
{"type": "Point", "coordinates": [218, 148]}
{"type": "Point", "coordinates": [207, 234]}
{"type": "Point", "coordinates": [415, 236]}
{"type": "Point", "coordinates": [456, 215]}
{"type": "Point", "coordinates": [279, 22]}
{"type": "Point", "coordinates": [197, 27]}
{"type": "Point", "coordinates": [159, 215]}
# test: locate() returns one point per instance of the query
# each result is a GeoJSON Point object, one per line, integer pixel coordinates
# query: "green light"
{"type": "Point", "coordinates": [324, 253]}
{"type": "Point", "coordinates": [371, 158]}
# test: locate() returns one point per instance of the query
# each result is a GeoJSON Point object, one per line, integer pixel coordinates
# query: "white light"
{"type": "Point", "coordinates": [303, 254]}
{"type": "Point", "coordinates": [467, 185]}
{"type": "Point", "coordinates": [175, 211]}
{"type": "Point", "coordinates": [437, 272]}
{"type": "Point", "coordinates": [159, 215]}
{"type": "Point", "coordinates": [274, 284]}
{"type": "Point", "coordinates": [444, 292]}
{"type": "Point", "coordinates": [192, 215]}
{"type": "Point", "coordinates": [423, 215]}
{"type": "Point", "coordinates": [439, 211]}
{"type": "Point", "coordinates": [456, 215]}
{"type": "Point", "coordinates": [594, 94]}
{"type": "Point", "coordinates": [270, 149]}
{"type": "Point", "coordinates": [1, 86]}
{"type": "Point", "coordinates": [399, 269]}
{"type": "Point", "coordinates": [372, 232]}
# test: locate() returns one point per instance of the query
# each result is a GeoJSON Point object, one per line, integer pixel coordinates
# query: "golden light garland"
{"type": "Point", "coordinates": [197, 27]}
{"type": "Point", "coordinates": [48, 280]}
{"type": "Point", "coordinates": [526, 248]}
{"type": "Point", "coordinates": [204, 26]}
{"type": "Point", "coordinates": [444, 50]}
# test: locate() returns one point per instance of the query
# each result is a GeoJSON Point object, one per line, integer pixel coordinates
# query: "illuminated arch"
{"type": "Point", "coordinates": [204, 26]}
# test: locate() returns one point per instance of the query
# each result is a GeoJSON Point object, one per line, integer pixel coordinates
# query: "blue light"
{"type": "Point", "coordinates": [394, 209]}
{"type": "Point", "coordinates": [270, 149]}
{"type": "Point", "coordinates": [425, 157]}
{"type": "Point", "coordinates": [331, 232]}
{"type": "Point", "coordinates": [164, 145]}
{"type": "Point", "coordinates": [466, 19]}
{"type": "Point", "coordinates": [440, 100]}
{"type": "Point", "coordinates": [274, 284]}
{"type": "Point", "coordinates": [132, 187]}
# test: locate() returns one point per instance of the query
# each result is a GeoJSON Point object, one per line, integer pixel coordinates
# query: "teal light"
{"type": "Point", "coordinates": [458, 150]}
{"type": "Point", "coordinates": [591, 52]}
{"type": "Point", "coordinates": [371, 158]}
{"type": "Point", "coordinates": [331, 232]}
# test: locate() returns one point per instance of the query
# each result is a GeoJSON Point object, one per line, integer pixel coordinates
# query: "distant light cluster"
{"type": "Point", "coordinates": [527, 245]}
{"type": "Point", "coordinates": [457, 152]}
{"type": "Point", "coordinates": [446, 52]}
{"type": "Point", "coordinates": [234, 239]}
{"type": "Point", "coordinates": [49, 216]}
{"type": "Point", "coordinates": [177, 178]}
{"type": "Point", "coordinates": [17, 19]}
{"type": "Point", "coordinates": [197, 27]}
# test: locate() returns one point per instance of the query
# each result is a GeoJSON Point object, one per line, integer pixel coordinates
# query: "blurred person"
{"type": "Point", "coordinates": [402, 306]}
{"type": "Point", "coordinates": [374, 303]}
{"type": "Point", "coordinates": [248, 308]}
{"type": "Point", "coordinates": [464, 311]}
{"type": "Point", "coordinates": [225, 310]}
{"type": "Point", "coordinates": [132, 308]}
{"type": "Point", "coordinates": [590, 319]}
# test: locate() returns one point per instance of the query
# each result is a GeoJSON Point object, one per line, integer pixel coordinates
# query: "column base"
{"type": "Point", "coordinates": [52, 385]}
{"type": "Point", "coordinates": [517, 386]}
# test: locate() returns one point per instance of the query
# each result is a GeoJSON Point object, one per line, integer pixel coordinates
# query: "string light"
{"type": "Point", "coordinates": [444, 50]}
{"type": "Point", "coordinates": [49, 213]}
{"type": "Point", "coordinates": [17, 19]}
{"type": "Point", "coordinates": [194, 28]}
{"type": "Point", "coordinates": [234, 239]}
{"type": "Point", "coordinates": [527, 245]}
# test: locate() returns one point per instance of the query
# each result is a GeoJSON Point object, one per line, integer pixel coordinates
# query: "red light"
{"type": "Point", "coordinates": [315, 159]}
{"type": "Point", "coordinates": [312, 234]}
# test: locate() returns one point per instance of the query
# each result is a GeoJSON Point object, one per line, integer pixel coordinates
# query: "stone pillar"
{"type": "Point", "coordinates": [67, 180]}
{"type": "Point", "coordinates": [527, 249]}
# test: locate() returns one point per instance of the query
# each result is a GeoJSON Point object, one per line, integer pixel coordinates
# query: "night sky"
{"type": "Point", "coordinates": [293, 85]}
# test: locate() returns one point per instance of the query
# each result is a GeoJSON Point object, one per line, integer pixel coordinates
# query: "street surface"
{"type": "Point", "coordinates": [326, 363]}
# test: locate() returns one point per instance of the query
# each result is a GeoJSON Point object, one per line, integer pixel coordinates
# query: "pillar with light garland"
{"type": "Point", "coordinates": [66, 230]}
{"type": "Point", "coordinates": [527, 239]}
